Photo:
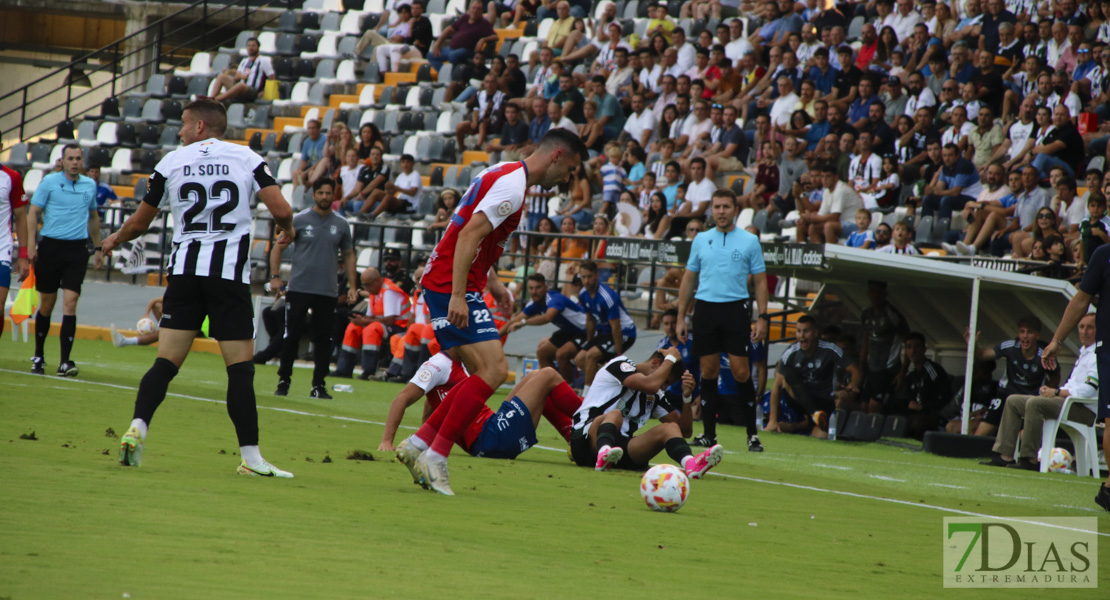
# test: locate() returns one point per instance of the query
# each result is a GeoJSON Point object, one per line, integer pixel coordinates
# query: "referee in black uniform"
{"type": "Point", "coordinates": [721, 260]}
{"type": "Point", "coordinates": [1095, 282]}
{"type": "Point", "coordinates": [320, 236]}
{"type": "Point", "coordinates": [208, 185]}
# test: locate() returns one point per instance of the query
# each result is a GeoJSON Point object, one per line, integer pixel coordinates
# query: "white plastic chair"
{"type": "Point", "coordinates": [1085, 437]}
{"type": "Point", "coordinates": [201, 65]}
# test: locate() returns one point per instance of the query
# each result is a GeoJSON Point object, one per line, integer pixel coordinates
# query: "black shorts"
{"type": "Point", "coordinates": [722, 327]}
{"type": "Point", "coordinates": [879, 385]}
{"type": "Point", "coordinates": [993, 415]}
{"type": "Point", "coordinates": [1102, 360]}
{"type": "Point", "coordinates": [585, 457]}
{"type": "Point", "coordinates": [604, 341]}
{"type": "Point", "coordinates": [60, 263]}
{"type": "Point", "coordinates": [562, 337]}
{"type": "Point", "coordinates": [227, 304]}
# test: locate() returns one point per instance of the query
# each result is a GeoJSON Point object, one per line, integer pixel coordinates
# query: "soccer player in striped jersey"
{"type": "Point", "coordinates": [208, 184]}
{"type": "Point", "coordinates": [621, 400]}
{"type": "Point", "coordinates": [13, 211]}
{"type": "Point", "coordinates": [453, 281]}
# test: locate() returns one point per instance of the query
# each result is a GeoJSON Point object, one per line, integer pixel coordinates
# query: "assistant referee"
{"type": "Point", "coordinates": [66, 204]}
{"type": "Point", "coordinates": [721, 260]}
{"type": "Point", "coordinates": [320, 235]}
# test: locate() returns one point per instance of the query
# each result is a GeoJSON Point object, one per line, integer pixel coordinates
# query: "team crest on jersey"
{"type": "Point", "coordinates": [736, 255]}
{"type": "Point", "coordinates": [266, 168]}
{"type": "Point", "coordinates": [424, 375]}
{"type": "Point", "coordinates": [333, 229]}
{"type": "Point", "coordinates": [628, 367]}
{"type": "Point", "coordinates": [504, 209]}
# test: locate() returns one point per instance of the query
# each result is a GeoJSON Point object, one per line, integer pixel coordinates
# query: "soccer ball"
{"type": "Point", "coordinates": [664, 488]}
{"type": "Point", "coordinates": [1060, 461]}
{"type": "Point", "coordinates": [145, 326]}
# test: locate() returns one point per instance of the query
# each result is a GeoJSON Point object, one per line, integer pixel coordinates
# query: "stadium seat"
{"type": "Point", "coordinates": [97, 156]}
{"type": "Point", "coordinates": [147, 162]}
{"type": "Point", "coordinates": [855, 28]}
{"type": "Point", "coordinates": [152, 112]}
{"type": "Point", "coordinates": [298, 96]}
{"type": "Point", "coordinates": [141, 187]}
{"type": "Point", "coordinates": [40, 153]}
{"type": "Point", "coordinates": [1097, 163]}
{"type": "Point", "coordinates": [86, 133]}
{"type": "Point", "coordinates": [350, 24]}
{"type": "Point", "coordinates": [269, 143]}
{"type": "Point", "coordinates": [155, 88]}
{"type": "Point", "coordinates": [17, 158]}
{"type": "Point", "coordinates": [325, 69]}
{"type": "Point", "coordinates": [309, 20]}
{"type": "Point", "coordinates": [267, 43]}
{"type": "Point", "coordinates": [171, 112]}
{"type": "Point", "coordinates": [286, 45]}
{"type": "Point", "coordinates": [327, 47]}
{"type": "Point", "coordinates": [219, 63]}
{"type": "Point", "coordinates": [255, 142]}
{"type": "Point", "coordinates": [283, 68]}
{"type": "Point", "coordinates": [367, 117]}
{"type": "Point", "coordinates": [328, 119]}
{"type": "Point", "coordinates": [372, 74]}
{"type": "Point", "coordinates": [347, 46]}
{"type": "Point", "coordinates": [316, 95]}
{"type": "Point", "coordinates": [331, 20]}
{"type": "Point", "coordinates": [1084, 439]}
{"type": "Point", "coordinates": [106, 134]}
{"type": "Point", "coordinates": [235, 116]}
{"type": "Point", "coordinates": [177, 87]}
{"type": "Point", "coordinates": [240, 42]}
{"type": "Point", "coordinates": [198, 86]}
{"type": "Point", "coordinates": [443, 123]}
{"type": "Point", "coordinates": [132, 110]}
{"type": "Point", "coordinates": [345, 73]}
{"type": "Point", "coordinates": [285, 170]}
{"type": "Point", "coordinates": [31, 181]}
{"type": "Point", "coordinates": [168, 139]}
{"type": "Point", "coordinates": [109, 109]}
{"type": "Point", "coordinates": [64, 131]}
{"type": "Point", "coordinates": [307, 43]}
{"type": "Point", "coordinates": [126, 136]}
{"type": "Point", "coordinates": [260, 117]}
{"type": "Point", "coordinates": [200, 65]}
{"type": "Point", "coordinates": [121, 162]}
{"type": "Point", "coordinates": [924, 231]}
{"type": "Point", "coordinates": [436, 177]}
{"type": "Point", "coordinates": [287, 22]}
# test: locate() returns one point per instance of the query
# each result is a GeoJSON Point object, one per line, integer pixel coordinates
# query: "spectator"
{"type": "Point", "coordinates": [790, 169]}
{"type": "Point", "coordinates": [514, 135]}
{"type": "Point", "coordinates": [468, 34]}
{"type": "Point", "coordinates": [989, 212]}
{"type": "Point", "coordinates": [901, 242]}
{"type": "Point", "coordinates": [1062, 146]}
{"type": "Point", "coordinates": [836, 215]}
{"type": "Point", "coordinates": [445, 207]}
{"type": "Point", "coordinates": [1094, 231]}
{"type": "Point", "coordinates": [766, 180]}
{"type": "Point", "coordinates": [312, 150]}
{"type": "Point", "coordinates": [922, 388]}
{"type": "Point", "coordinates": [487, 114]}
{"type": "Point", "coordinates": [578, 210]}
{"type": "Point", "coordinates": [657, 222]}
{"type": "Point", "coordinates": [863, 238]}
{"type": "Point", "coordinates": [104, 192]}
{"type": "Point", "coordinates": [371, 178]}
{"type": "Point", "coordinates": [920, 96]}
{"type": "Point", "coordinates": [368, 137]}
{"type": "Point", "coordinates": [866, 169]}
{"type": "Point", "coordinates": [401, 196]}
{"type": "Point", "coordinates": [701, 188]}
{"type": "Point", "coordinates": [1045, 225]}
{"type": "Point", "coordinates": [411, 44]}
{"type": "Point", "coordinates": [348, 180]}
{"type": "Point", "coordinates": [880, 356]}
{"type": "Point", "coordinates": [953, 186]}
{"type": "Point", "coordinates": [1034, 409]}
{"type": "Point", "coordinates": [245, 83]}
{"type": "Point", "coordinates": [612, 176]}
{"type": "Point", "coordinates": [570, 100]}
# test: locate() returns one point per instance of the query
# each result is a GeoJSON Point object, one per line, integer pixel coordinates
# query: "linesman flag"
{"type": "Point", "coordinates": [26, 301]}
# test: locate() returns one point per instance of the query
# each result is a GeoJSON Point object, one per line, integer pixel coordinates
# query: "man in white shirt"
{"type": "Point", "coordinates": [248, 81]}
{"type": "Point", "coordinates": [640, 124]}
{"type": "Point", "coordinates": [687, 54]}
{"type": "Point", "coordinates": [865, 170]}
{"type": "Point", "coordinates": [697, 129]}
{"type": "Point", "coordinates": [651, 73]}
{"type": "Point", "coordinates": [920, 95]}
{"type": "Point", "coordinates": [903, 19]}
{"type": "Point", "coordinates": [837, 213]}
{"type": "Point", "coordinates": [1083, 383]}
{"type": "Point", "coordinates": [739, 45]}
{"type": "Point", "coordinates": [399, 196]}
{"type": "Point", "coordinates": [699, 191]}
{"type": "Point", "coordinates": [667, 95]}
{"type": "Point", "coordinates": [783, 106]}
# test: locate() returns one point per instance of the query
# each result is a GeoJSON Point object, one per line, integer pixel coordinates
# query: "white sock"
{"type": "Point", "coordinates": [130, 341]}
{"type": "Point", "coordinates": [585, 390]}
{"type": "Point", "coordinates": [251, 455]}
{"type": "Point", "coordinates": [140, 425]}
{"type": "Point", "coordinates": [435, 456]}
{"type": "Point", "coordinates": [420, 444]}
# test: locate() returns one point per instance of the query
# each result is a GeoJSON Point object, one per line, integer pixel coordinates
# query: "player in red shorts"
{"type": "Point", "coordinates": [13, 210]}
{"type": "Point", "coordinates": [457, 273]}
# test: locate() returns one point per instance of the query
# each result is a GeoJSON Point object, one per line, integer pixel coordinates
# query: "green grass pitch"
{"type": "Point", "coordinates": [806, 519]}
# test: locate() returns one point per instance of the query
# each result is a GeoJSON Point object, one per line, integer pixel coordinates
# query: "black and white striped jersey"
{"type": "Point", "coordinates": [609, 393]}
{"type": "Point", "coordinates": [209, 186]}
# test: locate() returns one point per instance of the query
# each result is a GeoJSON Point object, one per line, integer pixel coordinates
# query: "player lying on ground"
{"type": "Point", "coordinates": [623, 397]}
{"type": "Point", "coordinates": [503, 434]}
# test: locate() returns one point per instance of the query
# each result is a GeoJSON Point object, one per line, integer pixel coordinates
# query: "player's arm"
{"type": "Point", "coordinates": [409, 395]}
{"type": "Point", "coordinates": [654, 381]}
{"type": "Point", "coordinates": [19, 216]}
{"type": "Point", "coordinates": [348, 257]}
{"type": "Point", "coordinates": [591, 326]}
{"type": "Point", "coordinates": [761, 378]}
{"type": "Point", "coordinates": [618, 335]}
{"type": "Point", "coordinates": [154, 303]}
{"type": "Point", "coordinates": [135, 225]}
{"type": "Point", "coordinates": [275, 264]}
{"type": "Point", "coordinates": [776, 396]}
{"type": "Point", "coordinates": [685, 295]}
{"type": "Point", "coordinates": [466, 249]}
{"type": "Point", "coordinates": [497, 289]}
{"type": "Point", "coordinates": [759, 331]}
{"type": "Point", "coordinates": [31, 242]}
{"type": "Point", "coordinates": [1077, 307]}
{"type": "Point", "coordinates": [279, 209]}
{"type": "Point", "coordinates": [685, 418]}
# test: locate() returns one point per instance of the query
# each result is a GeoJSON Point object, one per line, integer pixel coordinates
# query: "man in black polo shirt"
{"type": "Point", "coordinates": [1062, 147]}
{"type": "Point", "coordinates": [1096, 282]}
{"type": "Point", "coordinates": [847, 78]}
{"type": "Point", "coordinates": [570, 99]}
{"type": "Point", "coordinates": [989, 80]}
{"type": "Point", "coordinates": [514, 135]}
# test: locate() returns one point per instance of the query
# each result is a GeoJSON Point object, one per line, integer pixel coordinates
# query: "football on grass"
{"type": "Point", "coordinates": [1060, 461]}
{"type": "Point", "coordinates": [145, 326]}
{"type": "Point", "coordinates": [664, 488]}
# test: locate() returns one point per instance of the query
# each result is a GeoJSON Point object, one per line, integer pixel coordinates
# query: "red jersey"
{"type": "Point", "coordinates": [499, 193]}
{"type": "Point", "coordinates": [437, 376]}
{"type": "Point", "coordinates": [11, 198]}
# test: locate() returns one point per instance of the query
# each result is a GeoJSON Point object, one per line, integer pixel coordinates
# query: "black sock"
{"type": "Point", "coordinates": [712, 401]}
{"type": "Point", "coordinates": [152, 389]}
{"type": "Point", "coordinates": [240, 402]}
{"type": "Point", "coordinates": [69, 330]}
{"type": "Point", "coordinates": [747, 405]}
{"type": "Point", "coordinates": [677, 449]}
{"type": "Point", "coordinates": [607, 434]}
{"type": "Point", "coordinates": [42, 329]}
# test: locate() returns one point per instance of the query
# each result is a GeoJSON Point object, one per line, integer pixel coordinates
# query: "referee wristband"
{"type": "Point", "coordinates": [671, 358]}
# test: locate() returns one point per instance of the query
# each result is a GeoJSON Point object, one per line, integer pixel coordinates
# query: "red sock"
{"type": "Point", "coordinates": [560, 421]}
{"type": "Point", "coordinates": [564, 399]}
{"type": "Point", "coordinates": [465, 402]}
{"type": "Point", "coordinates": [430, 428]}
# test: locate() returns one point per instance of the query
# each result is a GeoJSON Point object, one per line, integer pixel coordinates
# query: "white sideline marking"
{"type": "Point", "coordinates": [837, 467]}
{"type": "Point", "coordinates": [946, 485]}
{"type": "Point", "coordinates": [1017, 497]}
{"type": "Point", "coordinates": [885, 478]}
{"type": "Point", "coordinates": [563, 451]}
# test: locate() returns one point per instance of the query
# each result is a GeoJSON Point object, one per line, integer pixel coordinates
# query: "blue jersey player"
{"type": "Point", "coordinates": [609, 330]}
{"type": "Point", "coordinates": [549, 306]}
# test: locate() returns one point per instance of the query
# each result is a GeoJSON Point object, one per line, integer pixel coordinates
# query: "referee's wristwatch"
{"type": "Point", "coordinates": [765, 317]}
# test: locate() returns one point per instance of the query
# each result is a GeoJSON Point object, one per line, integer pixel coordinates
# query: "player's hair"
{"type": "Point", "coordinates": [698, 160]}
{"type": "Point", "coordinates": [1095, 198]}
{"type": "Point", "coordinates": [408, 157]}
{"type": "Point", "coordinates": [807, 319]}
{"type": "Point", "coordinates": [1051, 241]}
{"type": "Point", "coordinates": [904, 225]}
{"type": "Point", "coordinates": [321, 182]}
{"type": "Point", "coordinates": [1068, 181]}
{"type": "Point", "coordinates": [538, 278]}
{"type": "Point", "coordinates": [588, 265]}
{"type": "Point", "coordinates": [1030, 322]}
{"type": "Point", "coordinates": [951, 146]}
{"type": "Point", "coordinates": [561, 139]}
{"type": "Point", "coordinates": [211, 112]}
{"type": "Point", "coordinates": [253, 39]}
{"type": "Point", "coordinates": [69, 147]}
{"type": "Point", "coordinates": [863, 211]}
{"type": "Point", "coordinates": [671, 312]}
{"type": "Point", "coordinates": [677, 368]}
{"type": "Point", "coordinates": [915, 336]}
{"type": "Point", "coordinates": [724, 193]}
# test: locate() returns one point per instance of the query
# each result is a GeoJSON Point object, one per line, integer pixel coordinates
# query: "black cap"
{"type": "Point", "coordinates": [392, 253]}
